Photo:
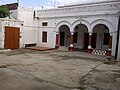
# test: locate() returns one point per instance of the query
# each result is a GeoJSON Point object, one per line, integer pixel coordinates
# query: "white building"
{"type": "Point", "coordinates": [26, 25]}
{"type": "Point", "coordinates": [94, 26]}
{"type": "Point", "coordinates": [91, 27]}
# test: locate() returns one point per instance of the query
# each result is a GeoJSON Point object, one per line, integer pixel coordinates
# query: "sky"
{"type": "Point", "coordinates": [46, 3]}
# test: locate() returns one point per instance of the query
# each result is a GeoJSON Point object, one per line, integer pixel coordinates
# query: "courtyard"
{"type": "Point", "coordinates": [26, 69]}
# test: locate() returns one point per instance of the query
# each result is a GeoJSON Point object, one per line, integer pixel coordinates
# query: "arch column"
{"type": "Point", "coordinates": [110, 46]}
{"type": "Point", "coordinates": [90, 43]}
{"type": "Point", "coordinates": [57, 35]}
{"type": "Point", "coordinates": [90, 40]}
{"type": "Point", "coordinates": [71, 41]}
{"type": "Point", "coordinates": [110, 41]}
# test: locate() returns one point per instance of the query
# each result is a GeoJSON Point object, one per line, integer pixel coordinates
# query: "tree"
{"type": "Point", "coordinates": [4, 12]}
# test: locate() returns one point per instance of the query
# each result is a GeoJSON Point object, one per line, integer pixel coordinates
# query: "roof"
{"type": "Point", "coordinates": [12, 6]}
{"type": "Point", "coordinates": [90, 3]}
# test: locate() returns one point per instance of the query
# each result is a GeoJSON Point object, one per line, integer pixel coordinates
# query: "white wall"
{"type": "Point", "coordinates": [50, 38]}
{"type": "Point", "coordinates": [14, 14]}
{"type": "Point", "coordinates": [30, 26]}
{"type": "Point", "coordinates": [50, 29]}
{"type": "Point", "coordinates": [26, 15]}
{"type": "Point", "coordinates": [30, 35]}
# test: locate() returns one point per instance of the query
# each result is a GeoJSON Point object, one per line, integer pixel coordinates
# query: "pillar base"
{"type": "Point", "coordinates": [90, 51]}
{"type": "Point", "coordinates": [109, 49]}
{"type": "Point", "coordinates": [89, 47]}
{"type": "Point", "coordinates": [71, 48]}
{"type": "Point", "coordinates": [56, 47]}
{"type": "Point", "coordinates": [108, 53]}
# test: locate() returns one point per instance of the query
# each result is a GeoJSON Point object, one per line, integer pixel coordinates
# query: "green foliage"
{"type": "Point", "coordinates": [4, 12]}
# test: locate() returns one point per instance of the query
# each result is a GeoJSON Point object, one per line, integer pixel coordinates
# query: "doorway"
{"type": "Point", "coordinates": [82, 37]}
{"type": "Point", "coordinates": [86, 40]}
{"type": "Point", "coordinates": [100, 37]}
{"type": "Point", "coordinates": [62, 38]}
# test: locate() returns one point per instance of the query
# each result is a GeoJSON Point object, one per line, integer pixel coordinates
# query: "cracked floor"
{"type": "Point", "coordinates": [25, 69]}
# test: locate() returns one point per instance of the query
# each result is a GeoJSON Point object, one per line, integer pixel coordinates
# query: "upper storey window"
{"type": "Point", "coordinates": [44, 24]}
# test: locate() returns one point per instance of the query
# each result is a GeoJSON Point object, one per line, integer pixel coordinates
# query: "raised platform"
{"type": "Point", "coordinates": [40, 48]}
{"type": "Point", "coordinates": [63, 48]}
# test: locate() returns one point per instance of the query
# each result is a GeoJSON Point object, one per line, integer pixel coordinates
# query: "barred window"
{"type": "Point", "coordinates": [44, 23]}
{"type": "Point", "coordinates": [44, 36]}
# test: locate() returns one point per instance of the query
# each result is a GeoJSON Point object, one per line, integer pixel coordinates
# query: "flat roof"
{"type": "Point", "coordinates": [85, 4]}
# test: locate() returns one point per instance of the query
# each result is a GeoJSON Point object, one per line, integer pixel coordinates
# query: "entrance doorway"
{"type": "Point", "coordinates": [100, 37]}
{"type": "Point", "coordinates": [64, 36]}
{"type": "Point", "coordinates": [82, 37]}
{"type": "Point", "coordinates": [94, 38]}
{"type": "Point", "coordinates": [86, 40]}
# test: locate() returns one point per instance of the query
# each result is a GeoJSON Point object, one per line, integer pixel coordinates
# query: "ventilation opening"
{"type": "Point", "coordinates": [30, 45]}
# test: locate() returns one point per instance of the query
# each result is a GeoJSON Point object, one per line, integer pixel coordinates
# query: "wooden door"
{"type": "Point", "coordinates": [86, 40]}
{"type": "Point", "coordinates": [16, 36]}
{"type": "Point", "coordinates": [8, 38]}
{"type": "Point", "coordinates": [62, 38]}
{"type": "Point", "coordinates": [94, 39]}
{"type": "Point", "coordinates": [12, 35]}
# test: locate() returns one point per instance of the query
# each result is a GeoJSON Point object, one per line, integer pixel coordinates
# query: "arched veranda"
{"type": "Point", "coordinates": [64, 36]}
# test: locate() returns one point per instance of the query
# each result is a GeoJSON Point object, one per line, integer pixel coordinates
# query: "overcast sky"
{"type": "Point", "coordinates": [47, 3]}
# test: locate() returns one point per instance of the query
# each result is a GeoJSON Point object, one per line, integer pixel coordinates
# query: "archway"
{"type": "Point", "coordinates": [81, 36]}
{"type": "Point", "coordinates": [64, 36]}
{"type": "Point", "coordinates": [100, 37]}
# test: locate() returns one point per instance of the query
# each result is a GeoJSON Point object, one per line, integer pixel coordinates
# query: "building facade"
{"type": "Point", "coordinates": [90, 26]}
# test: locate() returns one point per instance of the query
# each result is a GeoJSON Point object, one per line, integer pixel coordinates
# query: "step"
{"type": "Point", "coordinates": [63, 48]}
{"type": "Point", "coordinates": [99, 52]}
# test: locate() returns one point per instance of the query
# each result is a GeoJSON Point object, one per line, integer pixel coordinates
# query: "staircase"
{"type": "Point", "coordinates": [63, 48]}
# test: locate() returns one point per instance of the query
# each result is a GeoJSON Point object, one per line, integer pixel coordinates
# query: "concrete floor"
{"type": "Point", "coordinates": [25, 69]}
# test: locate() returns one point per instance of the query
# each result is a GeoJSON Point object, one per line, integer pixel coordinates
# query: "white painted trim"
{"type": "Point", "coordinates": [102, 21]}
{"type": "Point", "coordinates": [84, 22]}
{"type": "Point", "coordinates": [63, 23]}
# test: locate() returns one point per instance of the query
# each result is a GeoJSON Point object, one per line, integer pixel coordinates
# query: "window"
{"type": "Point", "coordinates": [106, 38]}
{"type": "Point", "coordinates": [44, 36]}
{"type": "Point", "coordinates": [44, 23]}
{"type": "Point", "coordinates": [75, 37]}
